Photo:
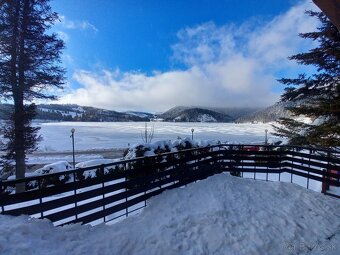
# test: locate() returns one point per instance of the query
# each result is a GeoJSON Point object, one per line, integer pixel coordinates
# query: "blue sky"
{"type": "Point", "coordinates": [153, 55]}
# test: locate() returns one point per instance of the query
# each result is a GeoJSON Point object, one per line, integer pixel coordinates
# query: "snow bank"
{"type": "Point", "coordinates": [60, 166]}
{"type": "Point", "coordinates": [56, 167]}
{"type": "Point", "coordinates": [219, 215]}
{"type": "Point", "coordinates": [151, 149]}
{"type": "Point", "coordinates": [95, 162]}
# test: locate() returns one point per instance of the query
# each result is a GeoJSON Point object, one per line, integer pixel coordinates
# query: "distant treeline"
{"type": "Point", "coordinates": [75, 113]}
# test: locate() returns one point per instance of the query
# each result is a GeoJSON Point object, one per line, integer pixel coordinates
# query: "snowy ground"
{"type": "Point", "coordinates": [220, 215]}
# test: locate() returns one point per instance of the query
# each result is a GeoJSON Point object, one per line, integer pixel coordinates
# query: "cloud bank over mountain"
{"type": "Point", "coordinates": [223, 66]}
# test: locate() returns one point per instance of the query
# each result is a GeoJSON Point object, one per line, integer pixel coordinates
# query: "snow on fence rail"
{"type": "Point", "coordinates": [120, 188]}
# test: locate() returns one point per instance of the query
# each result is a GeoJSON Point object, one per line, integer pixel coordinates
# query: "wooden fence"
{"type": "Point", "coordinates": [106, 192]}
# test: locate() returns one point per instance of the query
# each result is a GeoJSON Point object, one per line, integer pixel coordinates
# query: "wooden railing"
{"type": "Point", "coordinates": [106, 192]}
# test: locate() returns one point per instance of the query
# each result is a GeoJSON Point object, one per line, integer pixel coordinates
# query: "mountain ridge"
{"type": "Point", "coordinates": [73, 112]}
{"type": "Point", "coordinates": [269, 114]}
{"type": "Point", "coordinates": [194, 114]}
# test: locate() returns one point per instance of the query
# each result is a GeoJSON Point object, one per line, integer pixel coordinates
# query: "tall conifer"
{"type": "Point", "coordinates": [29, 65]}
{"type": "Point", "coordinates": [318, 94]}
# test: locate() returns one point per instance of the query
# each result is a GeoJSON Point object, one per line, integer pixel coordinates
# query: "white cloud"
{"type": "Point", "coordinates": [63, 36]}
{"type": "Point", "coordinates": [81, 25]}
{"type": "Point", "coordinates": [226, 66]}
{"type": "Point", "coordinates": [278, 39]}
{"type": "Point", "coordinates": [67, 59]}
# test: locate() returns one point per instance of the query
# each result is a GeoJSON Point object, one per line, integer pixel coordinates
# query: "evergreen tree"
{"type": "Point", "coordinates": [317, 95]}
{"type": "Point", "coordinates": [29, 66]}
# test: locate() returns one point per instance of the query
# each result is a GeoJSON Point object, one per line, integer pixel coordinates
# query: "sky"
{"type": "Point", "coordinates": [152, 55]}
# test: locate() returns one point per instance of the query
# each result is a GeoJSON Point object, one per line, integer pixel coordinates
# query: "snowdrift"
{"type": "Point", "coordinates": [164, 146]}
{"type": "Point", "coordinates": [220, 215]}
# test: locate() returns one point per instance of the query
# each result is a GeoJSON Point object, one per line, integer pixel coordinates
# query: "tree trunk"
{"type": "Point", "coordinates": [18, 106]}
{"type": "Point", "coordinates": [19, 110]}
{"type": "Point", "coordinates": [20, 167]}
{"type": "Point", "coordinates": [19, 140]}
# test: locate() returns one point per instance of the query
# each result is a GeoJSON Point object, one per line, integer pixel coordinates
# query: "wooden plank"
{"type": "Point", "coordinates": [268, 158]}
{"type": "Point", "coordinates": [314, 177]}
{"type": "Point", "coordinates": [255, 170]}
{"type": "Point", "coordinates": [110, 210]}
{"type": "Point", "coordinates": [27, 210]}
{"type": "Point", "coordinates": [312, 170]}
{"type": "Point", "coordinates": [94, 204]}
{"type": "Point", "coordinates": [311, 163]}
{"type": "Point", "coordinates": [333, 159]}
{"type": "Point", "coordinates": [19, 197]}
{"type": "Point", "coordinates": [332, 195]}
{"type": "Point", "coordinates": [253, 164]}
{"type": "Point", "coordinates": [245, 152]}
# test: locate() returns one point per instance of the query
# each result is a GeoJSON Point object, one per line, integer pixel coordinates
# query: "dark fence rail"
{"type": "Point", "coordinates": [106, 192]}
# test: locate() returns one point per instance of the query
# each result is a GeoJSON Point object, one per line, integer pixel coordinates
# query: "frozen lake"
{"type": "Point", "coordinates": [107, 135]}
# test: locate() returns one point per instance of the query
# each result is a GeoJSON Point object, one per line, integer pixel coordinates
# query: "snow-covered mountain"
{"type": "Point", "coordinates": [235, 112]}
{"type": "Point", "coordinates": [141, 114]}
{"type": "Point", "coordinates": [194, 114]}
{"type": "Point", "coordinates": [72, 112]}
{"type": "Point", "coordinates": [269, 114]}
{"type": "Point", "coordinates": [85, 113]}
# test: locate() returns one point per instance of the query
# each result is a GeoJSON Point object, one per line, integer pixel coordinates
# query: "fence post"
{"type": "Point", "coordinates": [242, 161]}
{"type": "Point", "coordinates": [221, 154]}
{"type": "Point", "coordinates": [280, 168]}
{"type": "Point", "coordinates": [291, 168]}
{"type": "Point", "coordinates": [255, 172]}
{"type": "Point", "coordinates": [40, 197]}
{"type": "Point", "coordinates": [172, 158]}
{"type": "Point", "coordinates": [255, 167]}
{"type": "Point", "coordinates": [158, 170]}
{"type": "Point", "coordinates": [196, 160]}
{"type": "Point", "coordinates": [126, 199]}
{"type": "Point", "coordinates": [1, 190]}
{"type": "Point", "coordinates": [270, 155]}
{"type": "Point", "coordinates": [325, 184]}
{"type": "Point", "coordinates": [310, 154]}
{"type": "Point", "coordinates": [75, 195]}
{"type": "Point", "coordinates": [144, 196]}
{"type": "Point", "coordinates": [102, 174]}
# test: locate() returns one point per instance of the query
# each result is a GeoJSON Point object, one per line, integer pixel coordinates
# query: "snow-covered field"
{"type": "Point", "coordinates": [220, 215]}
{"type": "Point", "coordinates": [103, 135]}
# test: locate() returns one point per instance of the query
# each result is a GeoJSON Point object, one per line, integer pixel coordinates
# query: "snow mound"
{"type": "Point", "coordinates": [56, 167]}
{"type": "Point", "coordinates": [95, 162]}
{"type": "Point", "coordinates": [151, 149]}
{"type": "Point", "coordinates": [60, 166]}
{"type": "Point", "coordinates": [219, 215]}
